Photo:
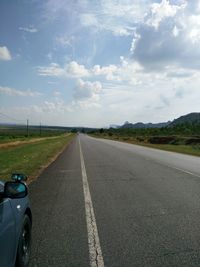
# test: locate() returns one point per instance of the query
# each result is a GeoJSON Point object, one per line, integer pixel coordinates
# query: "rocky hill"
{"type": "Point", "coordinates": [189, 118]}
{"type": "Point", "coordinates": [141, 125]}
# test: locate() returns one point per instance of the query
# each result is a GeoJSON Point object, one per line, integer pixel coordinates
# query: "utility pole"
{"type": "Point", "coordinates": [27, 128]}
{"type": "Point", "coordinates": [40, 129]}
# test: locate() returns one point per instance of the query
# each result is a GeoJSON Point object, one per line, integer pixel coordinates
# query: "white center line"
{"type": "Point", "coordinates": [95, 253]}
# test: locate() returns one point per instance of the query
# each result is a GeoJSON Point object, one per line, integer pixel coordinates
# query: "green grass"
{"type": "Point", "coordinates": [19, 132]}
{"type": "Point", "coordinates": [184, 149]}
{"type": "Point", "coordinates": [31, 158]}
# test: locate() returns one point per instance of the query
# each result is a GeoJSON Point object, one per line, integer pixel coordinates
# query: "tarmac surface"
{"type": "Point", "coordinates": [146, 205]}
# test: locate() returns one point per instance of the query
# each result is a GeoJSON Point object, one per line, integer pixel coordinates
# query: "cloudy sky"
{"type": "Point", "coordinates": [98, 62]}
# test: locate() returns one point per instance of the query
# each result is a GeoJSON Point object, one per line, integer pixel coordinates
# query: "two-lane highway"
{"type": "Point", "coordinates": [137, 206]}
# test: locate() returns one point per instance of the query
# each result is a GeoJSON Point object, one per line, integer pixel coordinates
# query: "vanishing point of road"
{"type": "Point", "coordinates": [106, 203]}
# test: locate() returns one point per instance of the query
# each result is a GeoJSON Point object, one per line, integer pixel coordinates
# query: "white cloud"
{"type": "Point", "coordinates": [30, 29]}
{"type": "Point", "coordinates": [161, 11]}
{"type": "Point", "coordinates": [158, 81]}
{"type": "Point", "coordinates": [14, 92]}
{"type": "Point", "coordinates": [193, 28]}
{"type": "Point", "coordinates": [56, 93]}
{"type": "Point", "coordinates": [53, 70]}
{"type": "Point", "coordinates": [175, 31]}
{"type": "Point", "coordinates": [48, 113]}
{"type": "Point", "coordinates": [56, 107]}
{"type": "Point", "coordinates": [65, 40]}
{"type": "Point", "coordinates": [49, 106]}
{"type": "Point", "coordinates": [117, 17]}
{"type": "Point", "coordinates": [121, 31]}
{"type": "Point", "coordinates": [169, 36]}
{"type": "Point", "coordinates": [87, 94]}
{"type": "Point", "coordinates": [87, 90]}
{"type": "Point", "coordinates": [53, 10]}
{"type": "Point", "coordinates": [108, 71]}
{"type": "Point", "coordinates": [76, 70]}
{"type": "Point", "coordinates": [157, 99]}
{"type": "Point", "coordinates": [5, 53]}
{"type": "Point", "coordinates": [72, 69]}
{"type": "Point", "coordinates": [126, 71]}
{"type": "Point", "coordinates": [89, 19]}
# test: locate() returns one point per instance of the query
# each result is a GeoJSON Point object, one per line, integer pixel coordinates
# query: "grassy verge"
{"type": "Point", "coordinates": [31, 158]}
{"type": "Point", "coordinates": [184, 149]}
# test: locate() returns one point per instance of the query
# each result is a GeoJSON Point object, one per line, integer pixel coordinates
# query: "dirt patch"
{"type": "Point", "coordinates": [161, 139]}
{"type": "Point", "coordinates": [18, 143]}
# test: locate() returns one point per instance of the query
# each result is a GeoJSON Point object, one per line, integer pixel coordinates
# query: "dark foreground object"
{"type": "Point", "coordinates": [15, 223]}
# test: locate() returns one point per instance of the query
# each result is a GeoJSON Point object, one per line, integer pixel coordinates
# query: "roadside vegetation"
{"type": "Point", "coordinates": [10, 133]}
{"type": "Point", "coordinates": [30, 154]}
{"type": "Point", "coordinates": [182, 138]}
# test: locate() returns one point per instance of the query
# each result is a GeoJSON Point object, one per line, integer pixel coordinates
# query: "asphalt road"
{"type": "Point", "coordinates": [146, 204]}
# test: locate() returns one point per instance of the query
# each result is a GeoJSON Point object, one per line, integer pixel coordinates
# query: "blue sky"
{"type": "Point", "coordinates": [96, 63]}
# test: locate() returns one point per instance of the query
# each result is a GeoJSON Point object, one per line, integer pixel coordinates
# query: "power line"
{"type": "Point", "coordinates": [11, 118]}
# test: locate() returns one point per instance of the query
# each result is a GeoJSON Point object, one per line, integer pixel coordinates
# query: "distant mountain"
{"type": "Point", "coordinates": [141, 125]}
{"type": "Point", "coordinates": [191, 117]}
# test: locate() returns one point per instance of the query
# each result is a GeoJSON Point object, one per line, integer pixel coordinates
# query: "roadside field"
{"type": "Point", "coordinates": [25, 141]}
{"type": "Point", "coordinates": [20, 132]}
{"type": "Point", "coordinates": [31, 157]}
{"type": "Point", "coordinates": [190, 149]}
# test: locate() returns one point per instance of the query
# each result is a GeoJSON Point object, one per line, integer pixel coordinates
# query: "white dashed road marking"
{"type": "Point", "coordinates": [95, 253]}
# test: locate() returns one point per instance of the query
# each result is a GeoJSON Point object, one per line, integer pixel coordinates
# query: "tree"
{"type": "Point", "coordinates": [101, 131]}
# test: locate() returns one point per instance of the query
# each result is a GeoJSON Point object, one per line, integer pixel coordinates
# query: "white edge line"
{"type": "Point", "coordinates": [173, 167]}
{"type": "Point", "coordinates": [190, 173]}
{"type": "Point", "coordinates": [95, 253]}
